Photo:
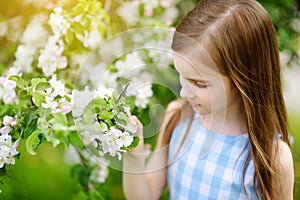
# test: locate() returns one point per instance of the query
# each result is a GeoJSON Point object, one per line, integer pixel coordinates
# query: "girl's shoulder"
{"type": "Point", "coordinates": [285, 168]}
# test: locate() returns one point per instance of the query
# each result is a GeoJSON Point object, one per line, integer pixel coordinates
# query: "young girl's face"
{"type": "Point", "coordinates": [207, 91]}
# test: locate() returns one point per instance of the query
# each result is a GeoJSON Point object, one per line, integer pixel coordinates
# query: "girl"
{"type": "Point", "coordinates": [227, 137]}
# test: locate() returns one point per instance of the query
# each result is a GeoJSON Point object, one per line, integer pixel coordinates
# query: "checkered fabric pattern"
{"type": "Point", "coordinates": [209, 166]}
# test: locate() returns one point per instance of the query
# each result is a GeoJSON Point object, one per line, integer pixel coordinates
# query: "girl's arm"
{"type": "Point", "coordinates": [141, 181]}
{"type": "Point", "coordinates": [135, 183]}
{"type": "Point", "coordinates": [285, 171]}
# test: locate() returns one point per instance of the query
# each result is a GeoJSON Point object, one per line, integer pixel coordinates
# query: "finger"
{"type": "Point", "coordinates": [139, 131]}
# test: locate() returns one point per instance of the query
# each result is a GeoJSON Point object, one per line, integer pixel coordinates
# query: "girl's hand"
{"type": "Point", "coordinates": [141, 148]}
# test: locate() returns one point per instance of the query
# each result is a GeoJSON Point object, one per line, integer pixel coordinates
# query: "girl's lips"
{"type": "Point", "coordinates": [194, 104]}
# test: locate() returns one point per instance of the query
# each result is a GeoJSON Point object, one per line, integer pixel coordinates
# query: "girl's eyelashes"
{"type": "Point", "coordinates": [199, 84]}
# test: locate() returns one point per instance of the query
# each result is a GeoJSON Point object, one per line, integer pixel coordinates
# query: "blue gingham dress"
{"type": "Point", "coordinates": [209, 166]}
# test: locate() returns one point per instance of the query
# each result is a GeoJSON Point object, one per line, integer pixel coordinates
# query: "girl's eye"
{"type": "Point", "coordinates": [199, 84]}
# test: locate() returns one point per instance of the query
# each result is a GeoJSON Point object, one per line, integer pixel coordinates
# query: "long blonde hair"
{"type": "Point", "coordinates": [243, 45]}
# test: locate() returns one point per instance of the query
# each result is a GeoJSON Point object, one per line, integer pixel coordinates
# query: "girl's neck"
{"type": "Point", "coordinates": [230, 123]}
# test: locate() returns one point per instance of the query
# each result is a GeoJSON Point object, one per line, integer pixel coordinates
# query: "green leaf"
{"type": "Point", "coordinates": [3, 171]}
{"type": "Point", "coordinates": [38, 99]}
{"type": "Point", "coordinates": [81, 195]}
{"type": "Point", "coordinates": [42, 86]}
{"type": "Point", "coordinates": [35, 81]}
{"type": "Point", "coordinates": [19, 81]}
{"type": "Point", "coordinates": [30, 121]}
{"type": "Point", "coordinates": [105, 115]}
{"type": "Point", "coordinates": [121, 118]}
{"type": "Point", "coordinates": [100, 102]}
{"type": "Point", "coordinates": [95, 195]}
{"type": "Point", "coordinates": [62, 136]}
{"type": "Point", "coordinates": [135, 142]}
{"type": "Point", "coordinates": [82, 173]}
{"type": "Point", "coordinates": [60, 118]}
{"type": "Point", "coordinates": [75, 139]}
{"type": "Point", "coordinates": [24, 96]}
{"type": "Point", "coordinates": [69, 37]}
{"type": "Point", "coordinates": [32, 142]}
{"type": "Point", "coordinates": [120, 121]}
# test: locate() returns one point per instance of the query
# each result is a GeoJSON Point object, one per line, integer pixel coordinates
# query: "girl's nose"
{"type": "Point", "coordinates": [186, 90]}
{"type": "Point", "coordinates": [186, 93]}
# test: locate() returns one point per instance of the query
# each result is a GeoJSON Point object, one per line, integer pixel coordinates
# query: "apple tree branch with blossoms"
{"type": "Point", "coordinates": [76, 78]}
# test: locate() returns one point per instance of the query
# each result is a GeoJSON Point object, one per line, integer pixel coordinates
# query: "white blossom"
{"type": "Point", "coordinates": [7, 148]}
{"type": "Point", "coordinates": [50, 103]}
{"type": "Point", "coordinates": [131, 64]}
{"type": "Point", "coordinates": [158, 52]}
{"type": "Point", "coordinates": [129, 12]}
{"type": "Point", "coordinates": [90, 38]}
{"type": "Point", "coordinates": [7, 90]}
{"type": "Point", "coordinates": [51, 57]}
{"type": "Point", "coordinates": [90, 73]}
{"type": "Point", "coordinates": [5, 139]}
{"type": "Point", "coordinates": [58, 23]}
{"type": "Point", "coordinates": [142, 89]}
{"type": "Point", "coordinates": [108, 80]}
{"type": "Point", "coordinates": [109, 142]}
{"type": "Point", "coordinates": [103, 92]}
{"type": "Point", "coordinates": [99, 174]}
{"type": "Point", "coordinates": [125, 139]}
{"type": "Point", "coordinates": [5, 130]}
{"type": "Point", "coordinates": [170, 15]}
{"type": "Point", "coordinates": [149, 6]}
{"type": "Point", "coordinates": [24, 57]}
{"type": "Point", "coordinates": [80, 100]}
{"type": "Point", "coordinates": [105, 49]}
{"type": "Point", "coordinates": [35, 33]}
{"type": "Point", "coordinates": [58, 86]}
{"type": "Point", "coordinates": [71, 155]}
{"type": "Point", "coordinates": [14, 71]}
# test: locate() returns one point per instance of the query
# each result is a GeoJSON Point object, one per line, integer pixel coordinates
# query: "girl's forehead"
{"type": "Point", "coordinates": [195, 61]}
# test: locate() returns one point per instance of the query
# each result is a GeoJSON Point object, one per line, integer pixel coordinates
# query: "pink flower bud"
{"type": "Point", "coordinates": [66, 109]}
{"type": "Point", "coordinates": [13, 123]}
{"type": "Point", "coordinates": [90, 185]}
{"type": "Point", "coordinates": [7, 120]}
{"type": "Point", "coordinates": [16, 144]}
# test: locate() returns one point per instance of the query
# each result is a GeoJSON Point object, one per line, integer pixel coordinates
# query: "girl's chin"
{"type": "Point", "coordinates": [197, 110]}
{"type": "Point", "coordinates": [200, 110]}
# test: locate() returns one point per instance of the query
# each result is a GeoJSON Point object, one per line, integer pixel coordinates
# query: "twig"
{"type": "Point", "coordinates": [122, 93]}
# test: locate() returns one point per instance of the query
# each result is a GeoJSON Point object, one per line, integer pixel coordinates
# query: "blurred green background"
{"type": "Point", "coordinates": [47, 177]}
